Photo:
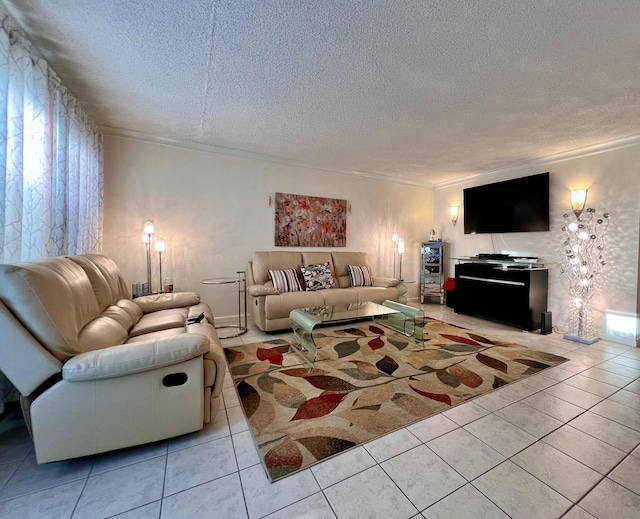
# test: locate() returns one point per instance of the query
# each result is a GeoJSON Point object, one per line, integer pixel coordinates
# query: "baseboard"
{"type": "Point", "coordinates": [226, 319]}
{"type": "Point", "coordinates": [626, 341]}
{"type": "Point", "coordinates": [618, 339]}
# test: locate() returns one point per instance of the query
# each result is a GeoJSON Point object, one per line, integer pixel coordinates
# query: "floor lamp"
{"type": "Point", "coordinates": [400, 253]}
{"type": "Point", "coordinates": [394, 239]}
{"type": "Point", "coordinates": [146, 239]}
{"type": "Point", "coordinates": [584, 261]}
{"type": "Point", "coordinates": [160, 248]}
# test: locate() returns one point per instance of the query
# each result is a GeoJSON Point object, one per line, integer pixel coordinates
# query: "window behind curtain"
{"type": "Point", "coordinates": [51, 172]}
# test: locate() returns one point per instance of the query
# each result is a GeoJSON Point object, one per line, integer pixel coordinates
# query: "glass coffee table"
{"type": "Point", "coordinates": [400, 318]}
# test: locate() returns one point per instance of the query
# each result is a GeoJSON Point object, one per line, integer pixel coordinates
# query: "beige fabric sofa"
{"type": "Point", "coordinates": [99, 371]}
{"type": "Point", "coordinates": [270, 309]}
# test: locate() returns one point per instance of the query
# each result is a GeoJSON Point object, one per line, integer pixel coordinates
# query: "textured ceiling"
{"type": "Point", "coordinates": [426, 92]}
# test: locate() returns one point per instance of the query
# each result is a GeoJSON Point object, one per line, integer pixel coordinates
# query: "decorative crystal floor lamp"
{"type": "Point", "coordinates": [584, 245]}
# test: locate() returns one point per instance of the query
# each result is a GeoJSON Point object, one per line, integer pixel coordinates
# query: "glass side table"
{"type": "Point", "coordinates": [402, 291]}
{"type": "Point", "coordinates": [241, 282]}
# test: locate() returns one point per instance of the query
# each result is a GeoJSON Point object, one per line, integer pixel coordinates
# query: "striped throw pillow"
{"type": "Point", "coordinates": [360, 276]}
{"type": "Point", "coordinates": [285, 280]}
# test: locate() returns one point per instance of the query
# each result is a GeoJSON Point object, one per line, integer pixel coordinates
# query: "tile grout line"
{"type": "Point", "coordinates": [577, 350]}
{"type": "Point", "coordinates": [164, 481]}
{"type": "Point", "coordinates": [235, 454]}
{"type": "Point", "coordinates": [541, 439]}
{"type": "Point", "coordinates": [606, 476]}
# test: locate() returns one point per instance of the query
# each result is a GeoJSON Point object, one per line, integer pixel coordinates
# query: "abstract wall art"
{"type": "Point", "coordinates": [310, 221]}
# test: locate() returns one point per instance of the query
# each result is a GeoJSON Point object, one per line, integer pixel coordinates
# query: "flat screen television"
{"type": "Point", "coordinates": [518, 205]}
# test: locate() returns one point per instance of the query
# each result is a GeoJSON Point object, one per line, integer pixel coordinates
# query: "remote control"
{"type": "Point", "coordinates": [195, 320]}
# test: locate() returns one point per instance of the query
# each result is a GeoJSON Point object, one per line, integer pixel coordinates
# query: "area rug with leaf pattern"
{"type": "Point", "coordinates": [367, 381]}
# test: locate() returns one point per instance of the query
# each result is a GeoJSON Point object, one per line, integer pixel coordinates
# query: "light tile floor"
{"type": "Point", "coordinates": [563, 443]}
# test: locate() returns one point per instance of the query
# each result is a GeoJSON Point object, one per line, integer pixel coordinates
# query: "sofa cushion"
{"type": "Point", "coordinates": [101, 333]}
{"type": "Point", "coordinates": [54, 300]}
{"type": "Point", "coordinates": [280, 306]}
{"type": "Point", "coordinates": [160, 334]}
{"type": "Point", "coordinates": [285, 280]}
{"type": "Point", "coordinates": [360, 276]}
{"type": "Point", "coordinates": [339, 296]}
{"type": "Point", "coordinates": [157, 302]}
{"type": "Point", "coordinates": [341, 262]}
{"type": "Point", "coordinates": [376, 294]}
{"type": "Point", "coordinates": [318, 276]}
{"type": "Point", "coordinates": [275, 260]}
{"type": "Point", "coordinates": [134, 311]}
{"type": "Point", "coordinates": [106, 280]}
{"type": "Point", "coordinates": [385, 282]}
{"type": "Point", "coordinates": [160, 320]}
{"type": "Point", "coordinates": [120, 315]}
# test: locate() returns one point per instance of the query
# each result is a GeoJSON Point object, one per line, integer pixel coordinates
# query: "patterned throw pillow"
{"type": "Point", "coordinates": [318, 276]}
{"type": "Point", "coordinates": [285, 280]}
{"type": "Point", "coordinates": [360, 276]}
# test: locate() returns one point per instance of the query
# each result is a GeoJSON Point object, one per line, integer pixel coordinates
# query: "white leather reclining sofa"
{"type": "Point", "coordinates": [99, 371]}
{"type": "Point", "coordinates": [270, 307]}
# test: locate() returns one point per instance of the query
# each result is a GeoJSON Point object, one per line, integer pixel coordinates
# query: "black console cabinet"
{"type": "Point", "coordinates": [514, 295]}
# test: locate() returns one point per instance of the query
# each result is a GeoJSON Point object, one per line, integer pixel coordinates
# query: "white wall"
{"type": "Point", "coordinates": [213, 212]}
{"type": "Point", "coordinates": [613, 180]}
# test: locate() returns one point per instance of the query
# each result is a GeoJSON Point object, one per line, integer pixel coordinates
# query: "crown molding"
{"type": "Point", "coordinates": [484, 175]}
{"type": "Point", "coordinates": [263, 157]}
{"type": "Point", "coordinates": [617, 144]}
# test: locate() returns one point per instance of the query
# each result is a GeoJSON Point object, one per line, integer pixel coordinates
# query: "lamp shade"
{"type": "Point", "coordinates": [148, 227]}
{"type": "Point", "coordinates": [578, 200]}
{"type": "Point", "coordinates": [454, 210]}
{"type": "Point", "coordinates": [400, 246]}
{"type": "Point", "coordinates": [161, 246]}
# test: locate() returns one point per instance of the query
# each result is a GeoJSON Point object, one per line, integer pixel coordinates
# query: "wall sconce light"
{"type": "Point", "coordinates": [578, 201]}
{"type": "Point", "coordinates": [454, 210]}
{"type": "Point", "coordinates": [148, 230]}
{"type": "Point", "coordinates": [400, 252]}
{"type": "Point", "coordinates": [161, 247]}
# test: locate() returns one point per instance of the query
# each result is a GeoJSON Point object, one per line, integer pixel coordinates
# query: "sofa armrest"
{"type": "Point", "coordinates": [127, 359]}
{"type": "Point", "coordinates": [385, 282]}
{"type": "Point", "coordinates": [157, 302]}
{"type": "Point", "coordinates": [262, 290]}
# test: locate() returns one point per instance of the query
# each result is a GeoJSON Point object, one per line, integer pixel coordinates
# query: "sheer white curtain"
{"type": "Point", "coordinates": [50, 160]}
{"type": "Point", "coordinates": [50, 164]}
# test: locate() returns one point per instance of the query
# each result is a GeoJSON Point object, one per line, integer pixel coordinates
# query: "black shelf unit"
{"type": "Point", "coordinates": [511, 294]}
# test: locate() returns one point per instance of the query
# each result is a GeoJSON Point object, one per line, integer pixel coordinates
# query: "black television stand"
{"type": "Point", "coordinates": [510, 292]}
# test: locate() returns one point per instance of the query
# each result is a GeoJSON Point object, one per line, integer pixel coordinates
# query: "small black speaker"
{"type": "Point", "coordinates": [545, 323]}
